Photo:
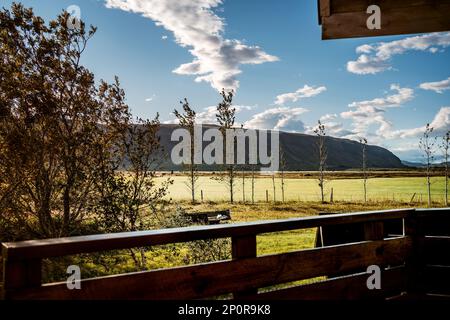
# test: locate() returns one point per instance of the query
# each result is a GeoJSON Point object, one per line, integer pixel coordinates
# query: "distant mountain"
{"type": "Point", "coordinates": [300, 152]}
{"type": "Point", "coordinates": [413, 164]}
{"type": "Point", "coordinates": [422, 165]}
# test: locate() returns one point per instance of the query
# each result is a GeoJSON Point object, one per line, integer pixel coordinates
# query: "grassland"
{"type": "Point", "coordinates": [304, 188]}
{"type": "Point", "coordinates": [301, 194]}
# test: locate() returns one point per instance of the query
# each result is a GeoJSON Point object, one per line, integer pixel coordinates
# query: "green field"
{"type": "Point", "coordinates": [379, 189]}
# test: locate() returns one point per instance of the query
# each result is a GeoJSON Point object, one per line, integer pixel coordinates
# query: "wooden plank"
{"type": "Point", "coordinates": [352, 287]}
{"type": "Point", "coordinates": [415, 260]}
{"type": "Point", "coordinates": [418, 19]}
{"type": "Point", "coordinates": [325, 8]}
{"type": "Point", "coordinates": [18, 275]}
{"type": "Point", "coordinates": [374, 231]}
{"type": "Point", "coordinates": [437, 250]}
{"type": "Point", "coordinates": [85, 244]}
{"type": "Point", "coordinates": [207, 280]}
{"type": "Point", "coordinates": [242, 248]}
{"type": "Point", "coordinates": [343, 6]}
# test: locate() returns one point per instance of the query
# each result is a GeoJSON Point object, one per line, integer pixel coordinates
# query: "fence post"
{"type": "Point", "coordinates": [19, 274]}
{"type": "Point", "coordinates": [201, 194]}
{"type": "Point", "coordinates": [242, 248]}
{"type": "Point", "coordinates": [415, 260]}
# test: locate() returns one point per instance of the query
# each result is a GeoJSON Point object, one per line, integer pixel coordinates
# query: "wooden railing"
{"type": "Point", "coordinates": [411, 263]}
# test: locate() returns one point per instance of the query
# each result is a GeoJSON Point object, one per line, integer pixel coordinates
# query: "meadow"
{"type": "Point", "coordinates": [403, 189]}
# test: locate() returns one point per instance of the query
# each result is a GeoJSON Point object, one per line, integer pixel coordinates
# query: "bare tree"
{"type": "Point", "coordinates": [187, 121]}
{"type": "Point", "coordinates": [253, 184]}
{"type": "Point", "coordinates": [274, 188]}
{"type": "Point", "coordinates": [445, 148]}
{"type": "Point", "coordinates": [243, 184]}
{"type": "Point", "coordinates": [282, 168]}
{"type": "Point", "coordinates": [226, 115]}
{"type": "Point", "coordinates": [427, 144]}
{"type": "Point", "coordinates": [322, 154]}
{"type": "Point", "coordinates": [363, 142]}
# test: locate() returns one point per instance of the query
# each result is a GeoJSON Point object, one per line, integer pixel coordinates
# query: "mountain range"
{"type": "Point", "coordinates": [300, 152]}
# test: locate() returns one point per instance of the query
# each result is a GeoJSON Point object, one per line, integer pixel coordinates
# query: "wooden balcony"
{"type": "Point", "coordinates": [415, 264]}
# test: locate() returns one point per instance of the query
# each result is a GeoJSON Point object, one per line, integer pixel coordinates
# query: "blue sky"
{"type": "Point", "coordinates": [271, 53]}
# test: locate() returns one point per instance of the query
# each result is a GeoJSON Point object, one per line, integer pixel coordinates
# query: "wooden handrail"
{"type": "Point", "coordinates": [403, 260]}
{"type": "Point", "coordinates": [39, 249]}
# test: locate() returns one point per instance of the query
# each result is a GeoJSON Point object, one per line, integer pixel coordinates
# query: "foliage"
{"type": "Point", "coordinates": [187, 121]}
{"type": "Point", "coordinates": [226, 116]}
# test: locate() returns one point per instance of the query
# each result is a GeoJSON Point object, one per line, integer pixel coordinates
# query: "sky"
{"type": "Point", "coordinates": [271, 53]}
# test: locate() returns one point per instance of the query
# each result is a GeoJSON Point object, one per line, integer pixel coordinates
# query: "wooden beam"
{"type": "Point", "coordinates": [212, 279]}
{"type": "Point", "coordinates": [38, 249]}
{"type": "Point", "coordinates": [343, 6]}
{"type": "Point", "coordinates": [352, 287]}
{"type": "Point", "coordinates": [407, 20]}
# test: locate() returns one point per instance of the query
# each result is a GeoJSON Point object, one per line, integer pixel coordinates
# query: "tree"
{"type": "Point", "coordinates": [126, 198]}
{"type": "Point", "coordinates": [322, 155]}
{"type": "Point", "coordinates": [226, 115]}
{"type": "Point", "coordinates": [363, 142]}
{"type": "Point", "coordinates": [65, 139]}
{"type": "Point", "coordinates": [55, 123]}
{"type": "Point", "coordinates": [187, 121]}
{"type": "Point", "coordinates": [427, 144]}
{"type": "Point", "coordinates": [283, 168]}
{"type": "Point", "coordinates": [274, 188]}
{"type": "Point", "coordinates": [445, 148]}
{"type": "Point", "coordinates": [253, 184]}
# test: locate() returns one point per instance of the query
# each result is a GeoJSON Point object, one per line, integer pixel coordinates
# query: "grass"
{"type": "Point", "coordinates": [289, 240]}
{"type": "Point", "coordinates": [306, 189]}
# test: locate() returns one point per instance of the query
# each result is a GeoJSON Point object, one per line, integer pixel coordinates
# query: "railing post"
{"type": "Point", "coordinates": [20, 274]}
{"type": "Point", "coordinates": [242, 248]}
{"type": "Point", "coordinates": [374, 231]}
{"type": "Point", "coordinates": [415, 260]}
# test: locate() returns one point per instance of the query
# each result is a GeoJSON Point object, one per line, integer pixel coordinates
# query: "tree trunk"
{"type": "Point", "coordinates": [253, 185]}
{"type": "Point", "coordinates": [193, 185]}
{"type": "Point", "coordinates": [446, 180]}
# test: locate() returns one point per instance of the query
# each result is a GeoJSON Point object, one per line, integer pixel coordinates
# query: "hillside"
{"type": "Point", "coordinates": [300, 152]}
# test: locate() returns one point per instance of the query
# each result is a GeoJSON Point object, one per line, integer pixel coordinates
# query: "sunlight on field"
{"type": "Point", "coordinates": [397, 189]}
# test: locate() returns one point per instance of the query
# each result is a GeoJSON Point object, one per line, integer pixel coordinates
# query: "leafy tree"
{"type": "Point", "coordinates": [64, 137]}
{"type": "Point", "coordinates": [126, 198]}
{"type": "Point", "coordinates": [187, 121]}
{"type": "Point", "coordinates": [226, 115]}
{"type": "Point", "coordinates": [56, 123]}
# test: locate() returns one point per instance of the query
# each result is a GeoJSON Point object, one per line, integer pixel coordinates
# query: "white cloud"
{"type": "Point", "coordinates": [332, 126]}
{"type": "Point", "coordinates": [196, 26]}
{"type": "Point", "coordinates": [372, 113]}
{"type": "Point", "coordinates": [376, 57]}
{"type": "Point", "coordinates": [164, 37]}
{"type": "Point", "coordinates": [438, 87]}
{"type": "Point", "coordinates": [150, 99]}
{"type": "Point", "coordinates": [281, 118]}
{"type": "Point", "coordinates": [440, 125]}
{"type": "Point", "coordinates": [305, 92]}
{"type": "Point", "coordinates": [402, 96]}
{"type": "Point", "coordinates": [208, 115]}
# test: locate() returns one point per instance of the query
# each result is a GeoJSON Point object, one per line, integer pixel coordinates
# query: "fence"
{"type": "Point", "coordinates": [415, 264]}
